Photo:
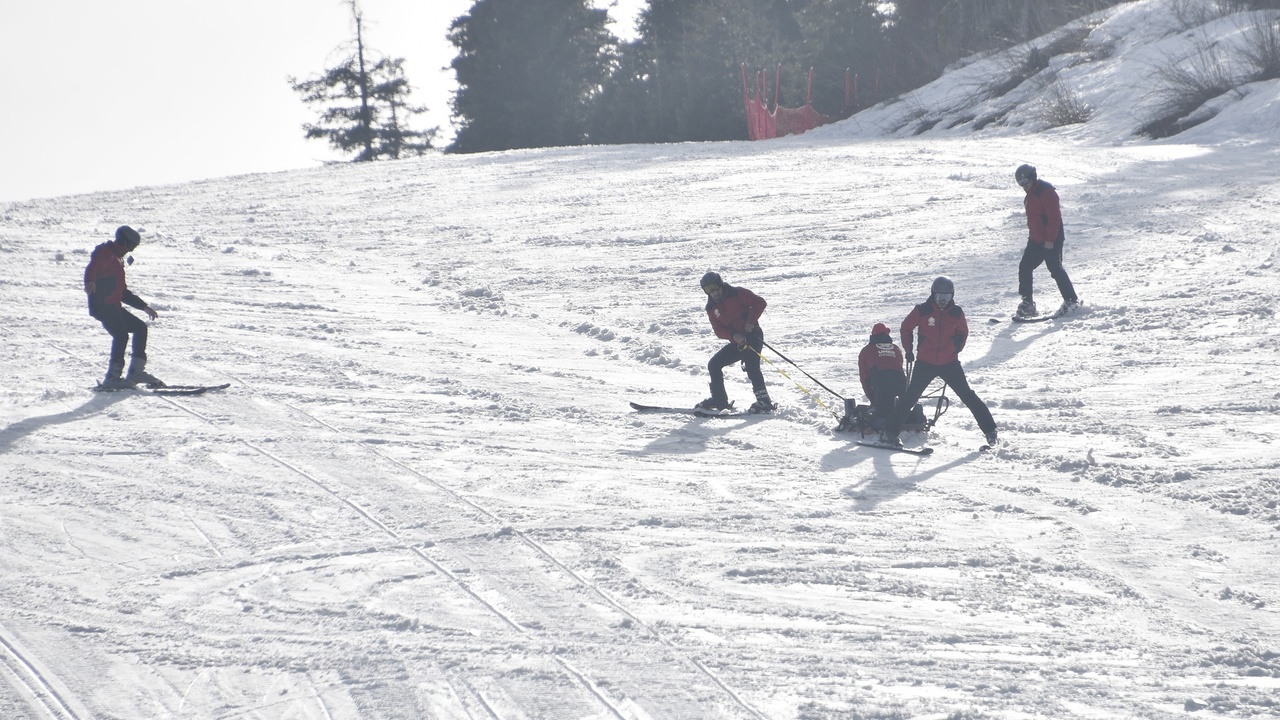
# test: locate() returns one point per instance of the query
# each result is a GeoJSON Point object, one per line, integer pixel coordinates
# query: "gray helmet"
{"type": "Point", "coordinates": [128, 238]}
{"type": "Point", "coordinates": [1025, 175]}
{"type": "Point", "coordinates": [943, 284]}
{"type": "Point", "coordinates": [712, 280]}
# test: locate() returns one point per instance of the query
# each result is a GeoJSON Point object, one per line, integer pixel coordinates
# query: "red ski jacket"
{"type": "Point", "coordinates": [943, 333]}
{"type": "Point", "coordinates": [879, 354]}
{"type": "Point", "coordinates": [738, 308]}
{"type": "Point", "coordinates": [1044, 215]}
{"type": "Point", "coordinates": [106, 272]}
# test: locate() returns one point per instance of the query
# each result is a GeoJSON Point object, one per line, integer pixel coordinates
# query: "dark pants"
{"type": "Point", "coordinates": [886, 387]}
{"type": "Point", "coordinates": [1033, 257]}
{"type": "Point", "coordinates": [730, 354]}
{"type": "Point", "coordinates": [953, 375]}
{"type": "Point", "coordinates": [121, 323]}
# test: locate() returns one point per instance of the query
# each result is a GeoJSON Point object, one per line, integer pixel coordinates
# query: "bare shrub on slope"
{"type": "Point", "coordinates": [1062, 105]}
{"type": "Point", "coordinates": [1017, 66]}
{"type": "Point", "coordinates": [1195, 13]}
{"type": "Point", "coordinates": [1261, 49]}
{"type": "Point", "coordinates": [1184, 87]}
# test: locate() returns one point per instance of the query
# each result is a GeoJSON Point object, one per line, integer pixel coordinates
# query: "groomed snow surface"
{"type": "Point", "coordinates": [425, 496]}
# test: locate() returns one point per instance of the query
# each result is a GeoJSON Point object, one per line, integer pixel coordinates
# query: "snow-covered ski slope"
{"type": "Point", "coordinates": [425, 494]}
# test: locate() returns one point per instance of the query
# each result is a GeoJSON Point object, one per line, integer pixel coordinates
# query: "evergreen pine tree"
{"type": "Point", "coordinates": [698, 48]}
{"type": "Point", "coordinates": [390, 93]}
{"type": "Point", "coordinates": [840, 35]}
{"type": "Point", "coordinates": [364, 104]}
{"type": "Point", "coordinates": [528, 72]}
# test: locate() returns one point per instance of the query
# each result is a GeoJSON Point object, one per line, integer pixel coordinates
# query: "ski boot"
{"type": "Point", "coordinates": [762, 404]}
{"type": "Point", "coordinates": [138, 374]}
{"type": "Point", "coordinates": [1026, 308]}
{"type": "Point", "coordinates": [1068, 306]}
{"type": "Point", "coordinates": [113, 381]}
{"type": "Point", "coordinates": [889, 439]}
{"type": "Point", "coordinates": [713, 405]}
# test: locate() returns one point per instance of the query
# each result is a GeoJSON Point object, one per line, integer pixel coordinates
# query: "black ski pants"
{"type": "Point", "coordinates": [730, 354]}
{"type": "Point", "coordinates": [1034, 256]}
{"type": "Point", "coordinates": [121, 323]}
{"type": "Point", "coordinates": [887, 386]}
{"type": "Point", "coordinates": [953, 375]}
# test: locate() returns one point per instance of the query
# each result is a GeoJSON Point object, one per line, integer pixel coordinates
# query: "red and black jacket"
{"type": "Point", "coordinates": [880, 355]}
{"type": "Point", "coordinates": [106, 272]}
{"type": "Point", "coordinates": [943, 333]}
{"type": "Point", "coordinates": [737, 308]}
{"type": "Point", "coordinates": [1044, 215]}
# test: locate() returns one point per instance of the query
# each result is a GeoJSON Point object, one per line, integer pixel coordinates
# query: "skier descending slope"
{"type": "Point", "coordinates": [1044, 242]}
{"type": "Point", "coordinates": [943, 333]}
{"type": "Point", "coordinates": [734, 313]}
{"type": "Point", "coordinates": [105, 285]}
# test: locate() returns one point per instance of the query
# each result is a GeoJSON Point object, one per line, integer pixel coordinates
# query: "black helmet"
{"type": "Point", "coordinates": [943, 284]}
{"type": "Point", "coordinates": [711, 280]}
{"type": "Point", "coordinates": [1025, 175]}
{"type": "Point", "coordinates": [128, 237]}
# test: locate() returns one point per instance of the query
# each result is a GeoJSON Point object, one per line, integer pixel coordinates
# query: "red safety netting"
{"type": "Point", "coordinates": [763, 124]}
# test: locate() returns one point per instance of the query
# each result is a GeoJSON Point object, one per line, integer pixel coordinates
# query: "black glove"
{"type": "Point", "coordinates": [911, 357]}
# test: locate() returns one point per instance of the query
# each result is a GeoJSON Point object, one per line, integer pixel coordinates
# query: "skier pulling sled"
{"type": "Point", "coordinates": [734, 313]}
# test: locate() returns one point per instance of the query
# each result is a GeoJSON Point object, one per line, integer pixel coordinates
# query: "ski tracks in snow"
{"type": "Point", "coordinates": [477, 551]}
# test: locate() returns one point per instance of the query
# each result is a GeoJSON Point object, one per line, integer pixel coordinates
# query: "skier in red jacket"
{"type": "Point", "coordinates": [104, 283]}
{"type": "Point", "coordinates": [1044, 242]}
{"type": "Point", "coordinates": [735, 315]}
{"type": "Point", "coordinates": [943, 333]}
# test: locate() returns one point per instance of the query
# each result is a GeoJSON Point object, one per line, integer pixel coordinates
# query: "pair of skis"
{"type": "Point", "coordinates": [1035, 318]}
{"type": "Point", "coordinates": [186, 390]}
{"type": "Point", "coordinates": [1041, 318]}
{"type": "Point", "coordinates": [921, 452]}
{"type": "Point", "coordinates": [729, 412]}
{"type": "Point", "coordinates": [1029, 318]}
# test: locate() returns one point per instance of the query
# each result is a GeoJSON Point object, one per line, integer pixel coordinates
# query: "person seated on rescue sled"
{"type": "Point", "coordinates": [883, 381]}
{"type": "Point", "coordinates": [880, 370]}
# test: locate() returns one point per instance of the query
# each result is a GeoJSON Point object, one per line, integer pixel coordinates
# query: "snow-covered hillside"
{"type": "Point", "coordinates": [1139, 68]}
{"type": "Point", "coordinates": [425, 496]}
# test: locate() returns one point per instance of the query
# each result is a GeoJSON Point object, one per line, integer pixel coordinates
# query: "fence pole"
{"type": "Point", "coordinates": [808, 102]}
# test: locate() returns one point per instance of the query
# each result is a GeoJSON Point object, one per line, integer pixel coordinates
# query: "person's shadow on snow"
{"type": "Point", "coordinates": [883, 483]}
{"type": "Point", "coordinates": [693, 436]}
{"type": "Point", "coordinates": [1005, 346]}
{"type": "Point", "coordinates": [21, 429]}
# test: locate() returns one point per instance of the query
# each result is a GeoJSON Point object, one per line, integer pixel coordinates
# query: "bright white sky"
{"type": "Point", "coordinates": [110, 95]}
